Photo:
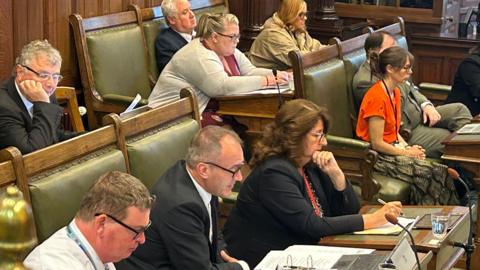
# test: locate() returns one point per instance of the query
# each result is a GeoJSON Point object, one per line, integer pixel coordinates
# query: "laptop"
{"type": "Point", "coordinates": [402, 257]}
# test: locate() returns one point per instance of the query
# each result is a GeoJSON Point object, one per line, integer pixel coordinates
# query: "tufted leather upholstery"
{"type": "Point", "coordinates": [151, 156]}
{"type": "Point", "coordinates": [56, 197]}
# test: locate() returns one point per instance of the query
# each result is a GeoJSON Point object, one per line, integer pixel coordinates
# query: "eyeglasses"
{"type": "Point", "coordinates": [319, 135]}
{"type": "Point", "coordinates": [137, 232]}
{"type": "Point", "coordinates": [234, 37]}
{"type": "Point", "coordinates": [44, 76]}
{"type": "Point", "coordinates": [303, 15]}
{"type": "Point", "coordinates": [223, 168]}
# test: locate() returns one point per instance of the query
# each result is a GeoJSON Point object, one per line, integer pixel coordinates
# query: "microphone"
{"type": "Point", "coordinates": [394, 220]}
{"type": "Point", "coordinates": [469, 247]}
{"type": "Point", "coordinates": [280, 99]}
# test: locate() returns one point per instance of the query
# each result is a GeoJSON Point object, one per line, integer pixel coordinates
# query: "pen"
{"type": "Point", "coordinates": [384, 202]}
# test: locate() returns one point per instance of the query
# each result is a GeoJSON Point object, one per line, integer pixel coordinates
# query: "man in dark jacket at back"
{"type": "Point", "coordinates": [181, 22]}
{"type": "Point", "coordinates": [30, 119]}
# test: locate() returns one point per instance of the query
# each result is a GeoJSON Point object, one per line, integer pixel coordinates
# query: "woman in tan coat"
{"type": "Point", "coordinates": [285, 31]}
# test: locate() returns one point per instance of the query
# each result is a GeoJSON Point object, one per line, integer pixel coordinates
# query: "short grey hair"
{"type": "Point", "coordinates": [205, 145]}
{"type": "Point", "coordinates": [112, 194]}
{"type": "Point", "coordinates": [169, 8]}
{"type": "Point", "coordinates": [214, 23]}
{"type": "Point", "coordinates": [35, 48]}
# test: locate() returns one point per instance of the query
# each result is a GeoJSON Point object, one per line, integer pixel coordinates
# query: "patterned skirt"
{"type": "Point", "coordinates": [429, 180]}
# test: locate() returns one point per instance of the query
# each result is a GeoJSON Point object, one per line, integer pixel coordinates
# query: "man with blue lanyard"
{"type": "Point", "coordinates": [108, 227]}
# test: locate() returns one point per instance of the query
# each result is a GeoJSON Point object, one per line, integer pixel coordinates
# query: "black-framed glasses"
{"type": "Point", "coordinates": [44, 76]}
{"type": "Point", "coordinates": [234, 37]}
{"type": "Point", "coordinates": [319, 135]}
{"type": "Point", "coordinates": [223, 168]}
{"type": "Point", "coordinates": [137, 232]}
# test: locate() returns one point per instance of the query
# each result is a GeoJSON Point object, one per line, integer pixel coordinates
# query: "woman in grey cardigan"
{"type": "Point", "coordinates": [212, 65]}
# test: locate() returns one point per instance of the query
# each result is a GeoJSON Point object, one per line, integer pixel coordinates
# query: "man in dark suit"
{"type": "Point", "coordinates": [181, 21]}
{"type": "Point", "coordinates": [184, 233]}
{"type": "Point", "coordinates": [30, 119]}
{"type": "Point", "coordinates": [427, 125]}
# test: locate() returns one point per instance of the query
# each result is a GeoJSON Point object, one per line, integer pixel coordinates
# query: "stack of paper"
{"type": "Point", "coordinates": [322, 257]}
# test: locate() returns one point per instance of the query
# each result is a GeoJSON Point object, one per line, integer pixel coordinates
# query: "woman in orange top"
{"type": "Point", "coordinates": [379, 123]}
{"type": "Point", "coordinates": [380, 113]}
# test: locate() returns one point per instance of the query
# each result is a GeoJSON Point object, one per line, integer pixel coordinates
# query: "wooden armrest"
{"type": "Point", "coordinates": [69, 95]}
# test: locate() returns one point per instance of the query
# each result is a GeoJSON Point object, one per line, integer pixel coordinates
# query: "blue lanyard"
{"type": "Point", "coordinates": [71, 234]}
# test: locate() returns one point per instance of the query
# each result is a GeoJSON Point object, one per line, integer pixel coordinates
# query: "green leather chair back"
{"type": "Point", "coordinates": [151, 28]}
{"type": "Point", "coordinates": [150, 156]}
{"type": "Point", "coordinates": [57, 197]}
{"type": "Point", "coordinates": [353, 61]}
{"type": "Point", "coordinates": [119, 66]}
{"type": "Point", "coordinates": [326, 85]}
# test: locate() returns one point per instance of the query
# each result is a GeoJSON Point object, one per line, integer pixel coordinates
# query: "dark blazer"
{"type": "Point", "coordinates": [18, 129]}
{"type": "Point", "coordinates": [466, 85]}
{"type": "Point", "coordinates": [178, 237]}
{"type": "Point", "coordinates": [273, 211]}
{"type": "Point", "coordinates": [167, 43]}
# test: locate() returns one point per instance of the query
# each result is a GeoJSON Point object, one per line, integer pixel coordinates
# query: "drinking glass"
{"type": "Point", "coordinates": [440, 224]}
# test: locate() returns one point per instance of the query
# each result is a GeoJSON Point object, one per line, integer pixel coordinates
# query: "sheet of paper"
{"type": "Point", "coordinates": [388, 228]}
{"type": "Point", "coordinates": [133, 104]}
{"type": "Point", "coordinates": [470, 129]}
{"type": "Point", "coordinates": [272, 89]}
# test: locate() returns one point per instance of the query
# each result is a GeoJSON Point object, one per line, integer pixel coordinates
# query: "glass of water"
{"type": "Point", "coordinates": [440, 224]}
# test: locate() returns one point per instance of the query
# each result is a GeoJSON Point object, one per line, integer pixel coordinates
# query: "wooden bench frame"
{"type": "Point", "coordinates": [19, 169]}
{"type": "Point", "coordinates": [96, 106]}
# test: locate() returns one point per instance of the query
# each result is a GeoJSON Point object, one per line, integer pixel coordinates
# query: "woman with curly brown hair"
{"type": "Point", "coordinates": [296, 192]}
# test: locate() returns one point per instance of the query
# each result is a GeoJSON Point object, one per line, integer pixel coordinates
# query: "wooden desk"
{"type": "Point", "coordinates": [465, 150]}
{"type": "Point", "coordinates": [255, 111]}
{"type": "Point", "coordinates": [444, 254]}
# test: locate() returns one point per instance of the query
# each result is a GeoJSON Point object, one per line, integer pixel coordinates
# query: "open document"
{"type": "Point", "coordinates": [133, 104]}
{"type": "Point", "coordinates": [389, 228]}
{"type": "Point", "coordinates": [272, 89]}
{"type": "Point", "coordinates": [321, 257]}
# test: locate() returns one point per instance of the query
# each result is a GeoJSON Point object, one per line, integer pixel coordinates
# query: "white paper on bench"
{"type": "Point", "coordinates": [133, 104]}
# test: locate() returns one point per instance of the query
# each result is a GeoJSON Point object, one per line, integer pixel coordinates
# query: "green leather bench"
{"type": "Point", "coordinates": [55, 179]}
{"type": "Point", "coordinates": [157, 138]}
{"type": "Point", "coordinates": [113, 62]}
{"type": "Point", "coordinates": [56, 198]}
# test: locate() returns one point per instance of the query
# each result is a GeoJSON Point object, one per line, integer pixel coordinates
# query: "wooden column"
{"type": "Point", "coordinates": [252, 14]}
{"type": "Point", "coordinates": [323, 23]}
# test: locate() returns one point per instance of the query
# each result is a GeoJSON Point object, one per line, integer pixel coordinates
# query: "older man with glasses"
{"type": "Point", "coordinates": [184, 233]}
{"type": "Point", "coordinates": [108, 227]}
{"type": "Point", "coordinates": [30, 119]}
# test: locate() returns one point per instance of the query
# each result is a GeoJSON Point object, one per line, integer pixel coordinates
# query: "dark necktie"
{"type": "Point", "coordinates": [214, 211]}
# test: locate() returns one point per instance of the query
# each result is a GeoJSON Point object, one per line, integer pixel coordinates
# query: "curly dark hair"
{"type": "Point", "coordinates": [285, 136]}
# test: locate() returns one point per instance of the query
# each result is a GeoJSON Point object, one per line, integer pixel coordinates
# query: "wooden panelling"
{"type": "Point", "coordinates": [437, 56]}
{"type": "Point", "coordinates": [22, 21]}
{"type": "Point", "coordinates": [6, 33]}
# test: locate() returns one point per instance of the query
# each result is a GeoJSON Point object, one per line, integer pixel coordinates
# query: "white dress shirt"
{"type": "Point", "coordinates": [60, 251]}
{"type": "Point", "coordinates": [26, 102]}
{"type": "Point", "coordinates": [206, 198]}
